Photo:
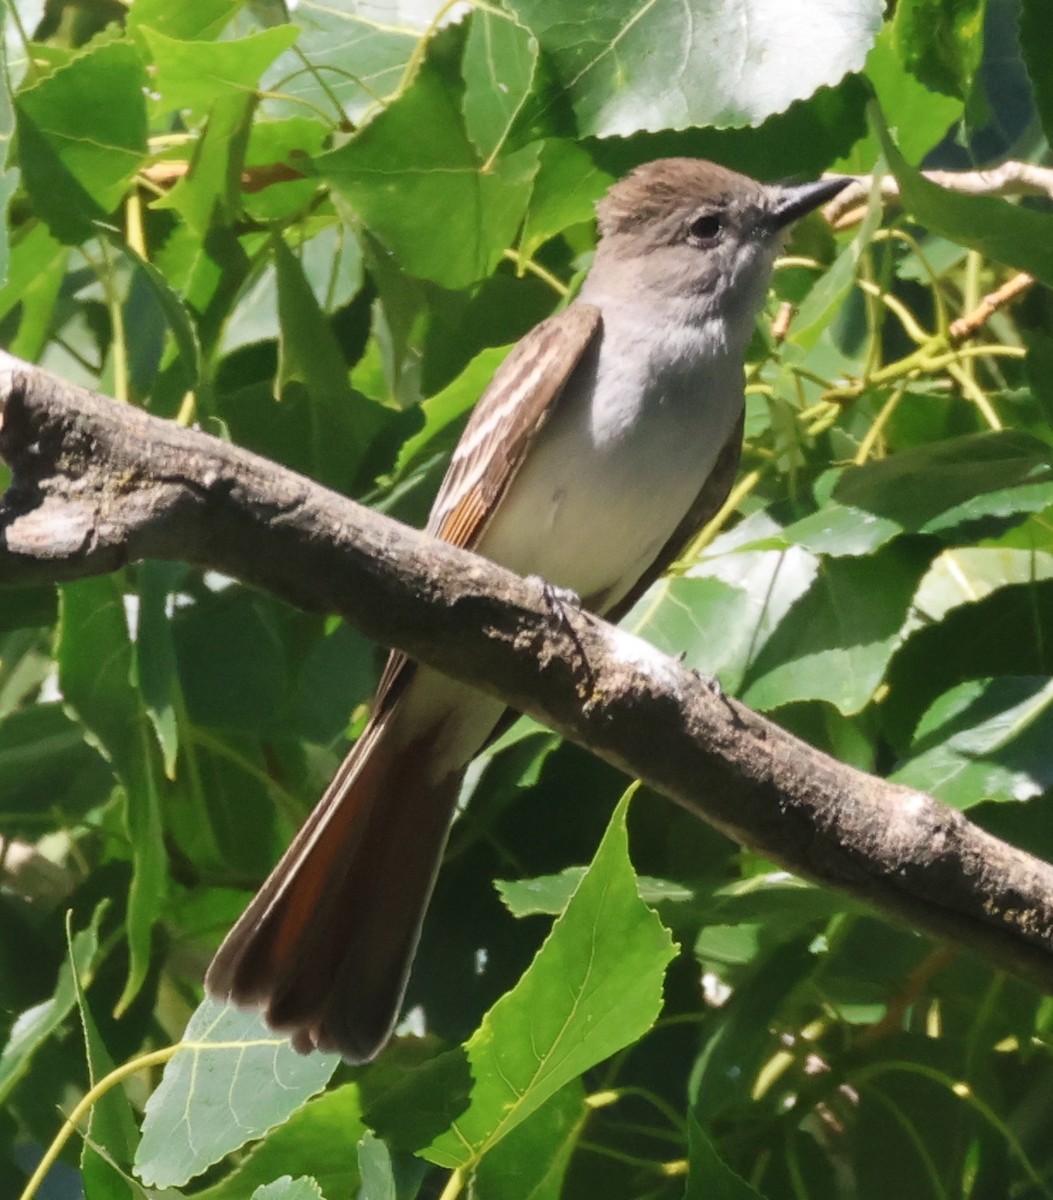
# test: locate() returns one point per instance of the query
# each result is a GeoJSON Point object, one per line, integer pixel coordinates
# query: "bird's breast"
{"type": "Point", "coordinates": [610, 476]}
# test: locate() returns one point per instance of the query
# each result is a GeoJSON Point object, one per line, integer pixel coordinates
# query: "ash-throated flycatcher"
{"type": "Point", "coordinates": [609, 435]}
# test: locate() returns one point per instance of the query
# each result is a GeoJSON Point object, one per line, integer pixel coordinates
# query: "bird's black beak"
{"type": "Point", "coordinates": [794, 202]}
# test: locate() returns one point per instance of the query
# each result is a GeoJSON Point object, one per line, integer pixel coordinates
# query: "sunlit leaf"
{"type": "Point", "coordinates": [82, 136]}
{"type": "Point", "coordinates": [595, 985]}
{"type": "Point", "coordinates": [984, 740]}
{"type": "Point", "coordinates": [194, 75]}
{"type": "Point", "coordinates": [628, 67]}
{"type": "Point", "coordinates": [415, 179]}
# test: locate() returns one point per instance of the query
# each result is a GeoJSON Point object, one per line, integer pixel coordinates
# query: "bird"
{"type": "Point", "coordinates": [609, 435]}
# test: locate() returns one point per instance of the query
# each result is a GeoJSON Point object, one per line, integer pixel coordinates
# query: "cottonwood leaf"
{"type": "Point", "coordinates": [594, 987]}
{"type": "Point", "coordinates": [628, 66]}
{"type": "Point", "coordinates": [231, 1081]}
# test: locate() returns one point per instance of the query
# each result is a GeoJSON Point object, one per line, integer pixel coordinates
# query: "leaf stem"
{"type": "Point", "coordinates": [83, 1107]}
{"type": "Point", "coordinates": [528, 264]}
{"type": "Point", "coordinates": [454, 1185]}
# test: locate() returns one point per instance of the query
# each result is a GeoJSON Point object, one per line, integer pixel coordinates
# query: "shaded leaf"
{"type": "Point", "coordinates": [95, 658]}
{"type": "Point", "coordinates": [1037, 50]}
{"type": "Point", "coordinates": [531, 1162]}
{"type": "Point", "coordinates": [112, 1130]}
{"type": "Point", "coordinates": [210, 193]}
{"type": "Point", "coordinates": [565, 192]}
{"type": "Point", "coordinates": [968, 574]}
{"type": "Point", "coordinates": [941, 41]}
{"type": "Point", "coordinates": [1008, 233]}
{"type": "Point", "coordinates": [232, 1080]}
{"type": "Point", "coordinates": [940, 488]}
{"type": "Point", "coordinates": [34, 1026]}
{"type": "Point", "coordinates": [708, 1177]}
{"type": "Point", "coordinates": [45, 762]}
{"type": "Point", "coordinates": [361, 55]}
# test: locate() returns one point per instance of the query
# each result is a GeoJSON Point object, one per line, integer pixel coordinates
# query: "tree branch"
{"type": "Point", "coordinates": [1011, 178]}
{"type": "Point", "coordinates": [96, 484]}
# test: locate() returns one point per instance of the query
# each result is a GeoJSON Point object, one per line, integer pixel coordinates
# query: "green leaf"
{"type": "Point", "coordinates": [274, 145]}
{"type": "Point", "coordinates": [720, 614]}
{"type": "Point", "coordinates": [155, 661]}
{"type": "Point", "coordinates": [45, 762]}
{"type": "Point", "coordinates": [628, 67]}
{"type": "Point", "coordinates": [95, 659]}
{"type": "Point", "coordinates": [550, 894]}
{"type": "Point", "coordinates": [192, 20]}
{"type": "Point", "coordinates": [158, 291]}
{"type": "Point", "coordinates": [531, 1162]}
{"type": "Point", "coordinates": [594, 987]}
{"type": "Point", "coordinates": [453, 402]}
{"type": "Point", "coordinates": [500, 57]}
{"type": "Point", "coordinates": [287, 1188]}
{"type": "Point", "coordinates": [34, 1026]}
{"type": "Point", "coordinates": [837, 640]}
{"type": "Point", "coordinates": [315, 1140]}
{"type": "Point", "coordinates": [939, 488]}
{"type": "Point", "coordinates": [82, 137]}
{"type": "Point", "coordinates": [9, 174]}
{"type": "Point", "coordinates": [195, 74]}
{"type": "Point", "coordinates": [342, 423]}
{"type": "Point", "coordinates": [565, 192]}
{"type": "Point", "coordinates": [708, 1176]}
{"type": "Point", "coordinates": [414, 178]}
{"type": "Point", "coordinates": [833, 287]}
{"type": "Point", "coordinates": [1037, 50]}
{"type": "Point", "coordinates": [37, 269]}
{"type": "Point", "coordinates": [1008, 233]}
{"type": "Point", "coordinates": [112, 1128]}
{"type": "Point", "coordinates": [376, 1168]}
{"type": "Point", "coordinates": [362, 57]}
{"type": "Point", "coordinates": [984, 740]}
{"type": "Point", "coordinates": [941, 41]}
{"type": "Point", "coordinates": [968, 574]}
{"type": "Point", "coordinates": [919, 117]}
{"type": "Point", "coordinates": [234, 627]}
{"type": "Point", "coordinates": [210, 194]}
{"type": "Point", "coordinates": [230, 1082]}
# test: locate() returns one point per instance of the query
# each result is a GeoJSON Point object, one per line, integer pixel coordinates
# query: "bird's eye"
{"type": "Point", "coordinates": [705, 230]}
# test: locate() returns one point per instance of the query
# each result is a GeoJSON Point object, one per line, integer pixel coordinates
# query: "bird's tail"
{"type": "Point", "coordinates": [326, 944]}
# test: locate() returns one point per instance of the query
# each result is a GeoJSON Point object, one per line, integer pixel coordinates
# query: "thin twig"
{"type": "Point", "coordinates": [970, 324]}
{"type": "Point", "coordinates": [1013, 178]}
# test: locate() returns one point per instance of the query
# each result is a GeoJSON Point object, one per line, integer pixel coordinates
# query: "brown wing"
{"type": "Point", "coordinates": [504, 422]}
{"type": "Point", "coordinates": [513, 408]}
{"type": "Point", "coordinates": [713, 494]}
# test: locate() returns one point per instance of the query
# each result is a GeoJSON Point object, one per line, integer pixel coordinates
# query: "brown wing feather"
{"type": "Point", "coordinates": [503, 424]}
{"type": "Point", "coordinates": [495, 441]}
